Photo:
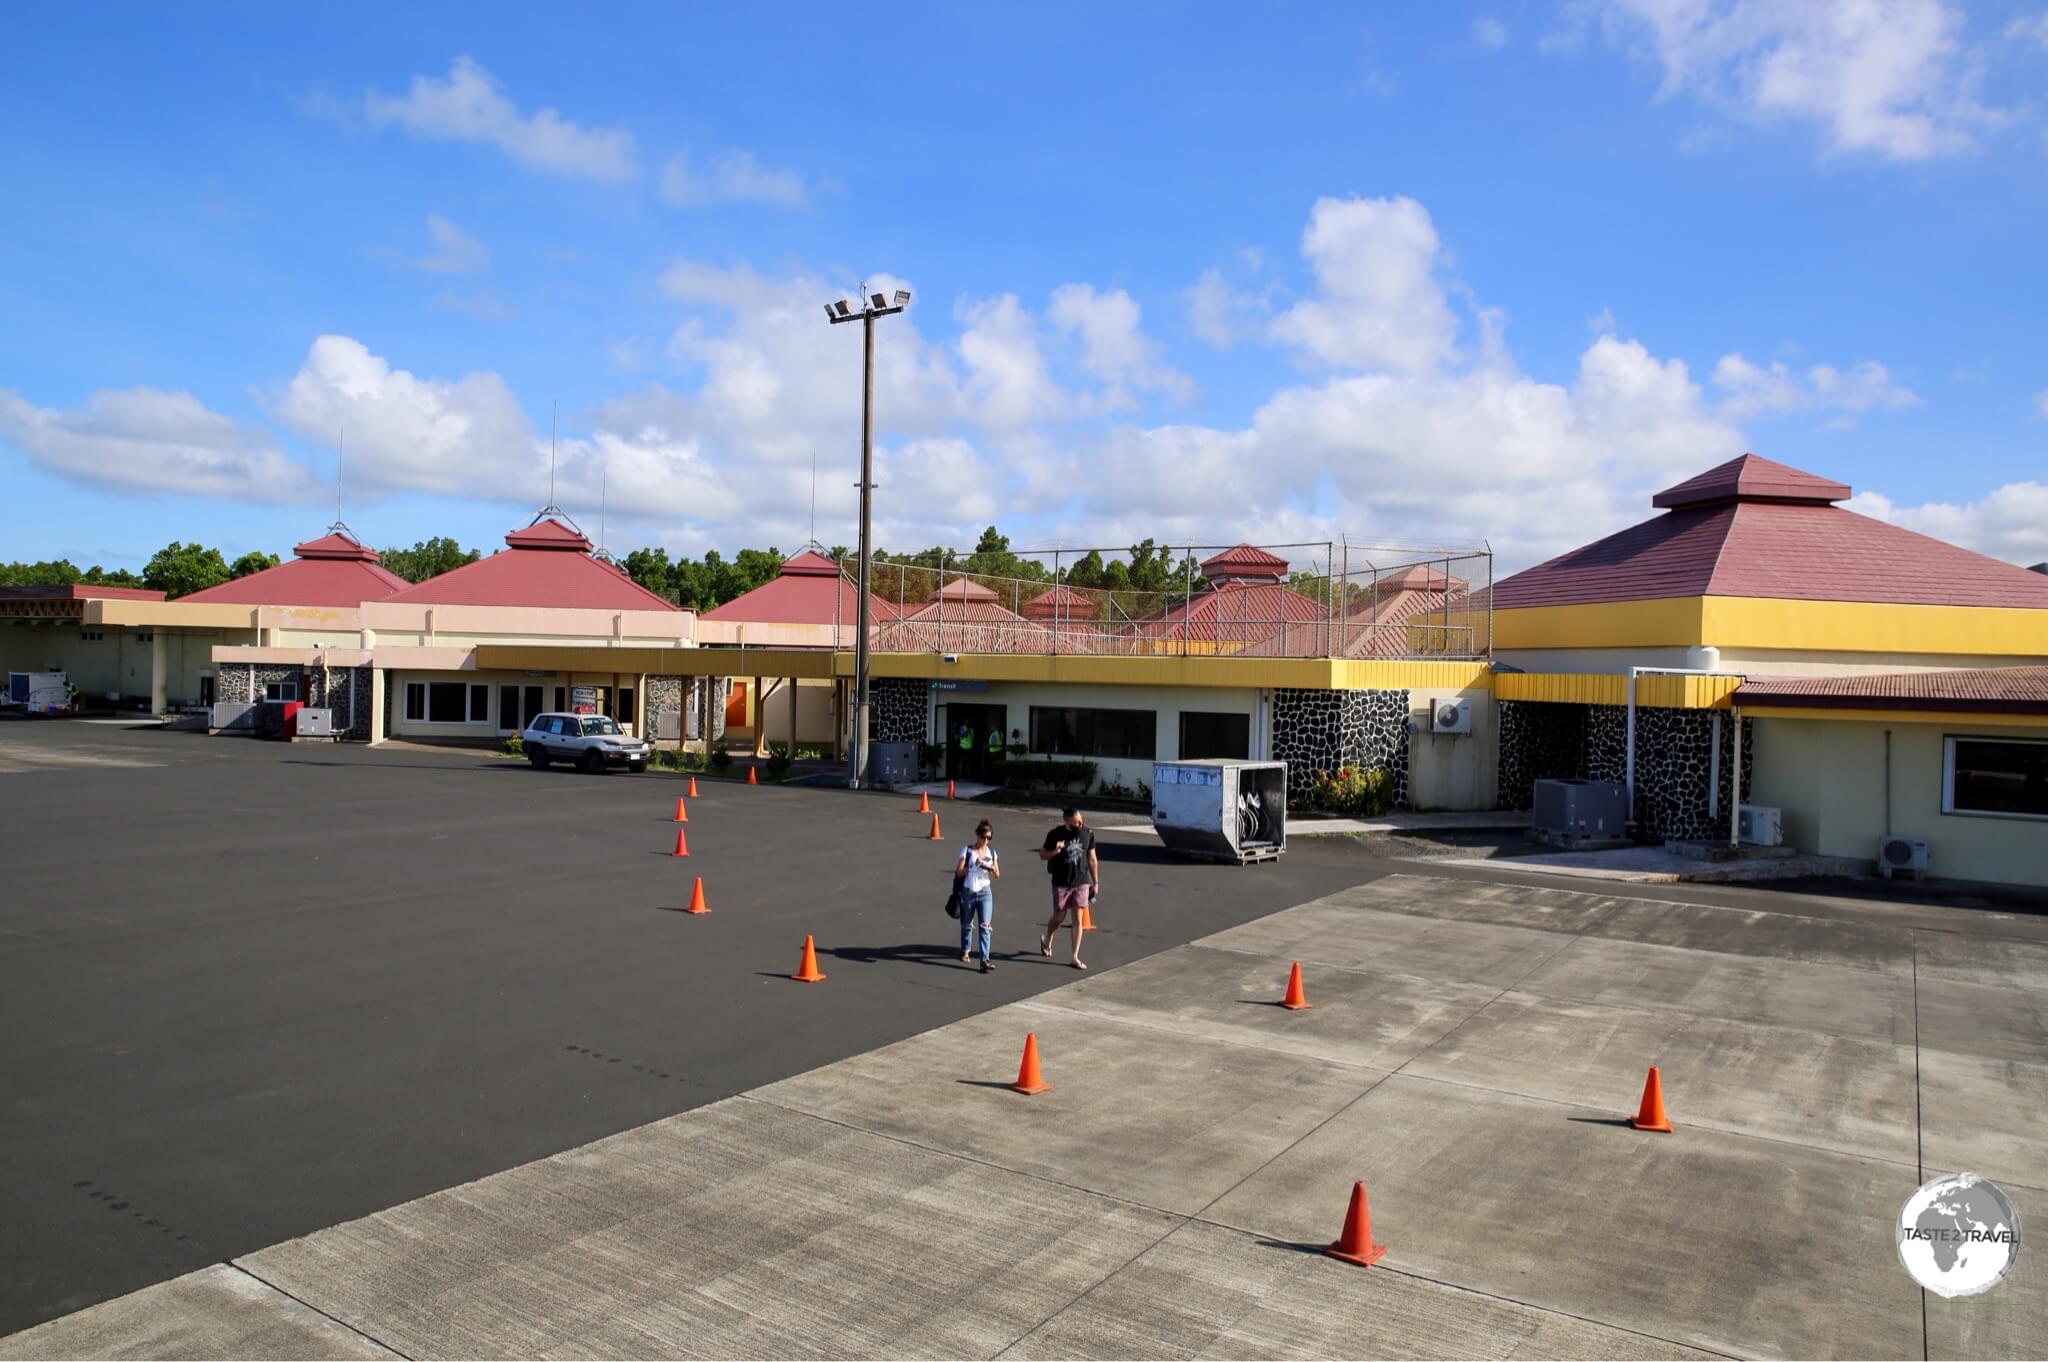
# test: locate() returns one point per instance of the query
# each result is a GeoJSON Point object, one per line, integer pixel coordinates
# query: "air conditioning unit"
{"type": "Point", "coordinates": [1760, 826]}
{"type": "Point", "coordinates": [1902, 856]}
{"type": "Point", "coordinates": [1450, 716]}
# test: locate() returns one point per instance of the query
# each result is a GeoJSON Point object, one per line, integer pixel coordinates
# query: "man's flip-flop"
{"type": "Point", "coordinates": [1045, 944]}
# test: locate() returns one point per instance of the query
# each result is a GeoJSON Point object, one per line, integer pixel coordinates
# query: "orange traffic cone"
{"type": "Point", "coordinates": [682, 844]}
{"type": "Point", "coordinates": [1087, 919]}
{"type": "Point", "coordinates": [1029, 1079]}
{"type": "Point", "coordinates": [697, 904]}
{"type": "Point", "coordinates": [693, 787]}
{"type": "Point", "coordinates": [750, 777]}
{"type": "Point", "coordinates": [1651, 1115]}
{"type": "Point", "coordinates": [1296, 999]}
{"type": "Point", "coordinates": [949, 789]}
{"type": "Point", "coordinates": [682, 814]}
{"type": "Point", "coordinates": [807, 972]}
{"type": "Point", "coordinates": [924, 801]}
{"type": "Point", "coordinates": [935, 828]}
{"type": "Point", "coordinates": [1356, 1245]}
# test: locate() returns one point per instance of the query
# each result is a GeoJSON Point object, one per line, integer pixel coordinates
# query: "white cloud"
{"type": "Point", "coordinates": [2032, 29]}
{"type": "Point", "coordinates": [1754, 390]}
{"type": "Point", "coordinates": [1380, 304]}
{"type": "Point", "coordinates": [2041, 403]}
{"type": "Point", "coordinates": [468, 107]}
{"type": "Point", "coordinates": [1114, 347]}
{"type": "Point", "coordinates": [1217, 312]}
{"type": "Point", "coordinates": [733, 177]}
{"type": "Point", "coordinates": [1008, 379]}
{"type": "Point", "coordinates": [455, 251]}
{"type": "Point", "coordinates": [1887, 77]}
{"type": "Point", "coordinates": [2010, 523]}
{"type": "Point", "coordinates": [1490, 33]}
{"type": "Point", "coordinates": [147, 440]}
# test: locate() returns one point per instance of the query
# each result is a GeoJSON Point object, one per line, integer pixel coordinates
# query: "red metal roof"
{"type": "Point", "coordinates": [1061, 603]}
{"type": "Point", "coordinates": [547, 564]}
{"type": "Point", "coordinates": [807, 589]}
{"type": "Point", "coordinates": [333, 571]}
{"type": "Point", "coordinates": [1769, 544]}
{"type": "Point", "coordinates": [2001, 690]}
{"type": "Point", "coordinates": [1752, 478]}
{"type": "Point", "coordinates": [1243, 562]}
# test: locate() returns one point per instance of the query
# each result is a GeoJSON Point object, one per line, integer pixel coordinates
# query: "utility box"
{"type": "Point", "coordinates": [314, 724]}
{"type": "Point", "coordinates": [1581, 815]}
{"type": "Point", "coordinates": [892, 763]}
{"type": "Point", "coordinates": [1759, 825]}
{"type": "Point", "coordinates": [233, 716]}
{"type": "Point", "coordinates": [1221, 810]}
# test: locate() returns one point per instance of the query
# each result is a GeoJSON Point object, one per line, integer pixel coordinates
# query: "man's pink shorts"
{"type": "Point", "coordinates": [1073, 897]}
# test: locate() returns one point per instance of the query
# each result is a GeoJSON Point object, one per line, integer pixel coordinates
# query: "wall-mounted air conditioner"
{"type": "Point", "coordinates": [1760, 826]}
{"type": "Point", "coordinates": [1450, 716]}
{"type": "Point", "coordinates": [1902, 856]}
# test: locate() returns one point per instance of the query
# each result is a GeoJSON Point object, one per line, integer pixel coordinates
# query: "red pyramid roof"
{"type": "Point", "coordinates": [967, 589]}
{"type": "Point", "coordinates": [1751, 478]}
{"type": "Point", "coordinates": [333, 571]}
{"type": "Point", "coordinates": [1062, 603]}
{"type": "Point", "coordinates": [1768, 538]}
{"type": "Point", "coordinates": [547, 564]}
{"type": "Point", "coordinates": [807, 589]}
{"type": "Point", "coordinates": [1243, 562]}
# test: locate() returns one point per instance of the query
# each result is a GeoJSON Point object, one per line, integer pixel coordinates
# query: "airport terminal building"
{"type": "Point", "coordinates": [1751, 643]}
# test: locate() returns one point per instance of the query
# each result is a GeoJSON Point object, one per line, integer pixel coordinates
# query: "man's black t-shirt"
{"type": "Point", "coordinates": [1070, 867]}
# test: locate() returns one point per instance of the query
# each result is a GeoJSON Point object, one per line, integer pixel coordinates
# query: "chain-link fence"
{"type": "Point", "coordinates": [1287, 600]}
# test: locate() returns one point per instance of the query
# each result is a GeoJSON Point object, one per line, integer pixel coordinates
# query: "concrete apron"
{"type": "Point", "coordinates": [1470, 1053]}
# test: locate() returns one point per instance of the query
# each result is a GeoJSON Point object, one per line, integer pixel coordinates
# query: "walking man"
{"type": "Point", "coordinates": [1069, 854]}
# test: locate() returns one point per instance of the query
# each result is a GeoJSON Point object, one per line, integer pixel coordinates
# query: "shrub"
{"type": "Point", "coordinates": [779, 760]}
{"type": "Point", "coordinates": [692, 760]}
{"type": "Point", "coordinates": [1039, 774]}
{"type": "Point", "coordinates": [930, 758]}
{"type": "Point", "coordinates": [720, 758]}
{"type": "Point", "coordinates": [514, 747]}
{"type": "Point", "coordinates": [1354, 790]}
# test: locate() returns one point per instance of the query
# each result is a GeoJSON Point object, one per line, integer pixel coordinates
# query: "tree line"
{"type": "Point", "coordinates": [179, 569]}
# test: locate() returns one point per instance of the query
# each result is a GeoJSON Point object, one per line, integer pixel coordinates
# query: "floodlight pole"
{"type": "Point", "coordinates": [872, 306]}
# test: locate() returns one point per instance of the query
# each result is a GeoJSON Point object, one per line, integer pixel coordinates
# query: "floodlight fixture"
{"type": "Point", "coordinates": [902, 297]}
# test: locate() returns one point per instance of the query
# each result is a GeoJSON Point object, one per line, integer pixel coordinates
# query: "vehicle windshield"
{"type": "Point", "coordinates": [599, 727]}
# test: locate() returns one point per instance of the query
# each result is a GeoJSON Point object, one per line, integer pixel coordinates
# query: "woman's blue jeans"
{"type": "Point", "coordinates": [977, 910]}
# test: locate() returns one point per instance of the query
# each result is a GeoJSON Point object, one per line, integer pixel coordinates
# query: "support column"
{"type": "Point", "coordinates": [159, 669]}
{"type": "Point", "coordinates": [791, 683]}
{"type": "Point", "coordinates": [377, 684]}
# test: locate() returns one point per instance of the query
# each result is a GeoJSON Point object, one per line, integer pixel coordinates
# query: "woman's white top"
{"type": "Point", "coordinates": [978, 863]}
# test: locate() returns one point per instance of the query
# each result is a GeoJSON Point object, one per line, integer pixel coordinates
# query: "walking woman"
{"type": "Point", "coordinates": [977, 870]}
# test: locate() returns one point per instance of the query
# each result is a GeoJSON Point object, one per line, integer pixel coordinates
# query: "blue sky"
{"type": "Point", "coordinates": [1401, 273]}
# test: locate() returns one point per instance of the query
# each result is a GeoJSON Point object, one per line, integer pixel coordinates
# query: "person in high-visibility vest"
{"type": "Point", "coordinates": [995, 742]}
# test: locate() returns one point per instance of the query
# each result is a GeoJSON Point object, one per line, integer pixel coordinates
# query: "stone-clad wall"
{"type": "Point", "coordinates": [231, 683]}
{"type": "Point", "coordinates": [1590, 742]}
{"type": "Point", "coordinates": [901, 710]}
{"type": "Point", "coordinates": [1538, 742]}
{"type": "Point", "coordinates": [1320, 730]}
{"type": "Point", "coordinates": [343, 685]}
{"type": "Point", "coordinates": [681, 696]}
{"type": "Point", "coordinates": [664, 695]}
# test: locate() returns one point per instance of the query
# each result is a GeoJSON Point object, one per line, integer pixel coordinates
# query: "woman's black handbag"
{"type": "Point", "coordinates": [953, 901]}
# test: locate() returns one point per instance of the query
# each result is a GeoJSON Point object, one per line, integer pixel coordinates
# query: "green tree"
{"type": "Point", "coordinates": [428, 558]}
{"type": "Point", "coordinates": [651, 569]}
{"type": "Point", "coordinates": [52, 572]}
{"type": "Point", "coordinates": [99, 576]}
{"type": "Point", "coordinates": [180, 569]}
{"type": "Point", "coordinates": [255, 560]}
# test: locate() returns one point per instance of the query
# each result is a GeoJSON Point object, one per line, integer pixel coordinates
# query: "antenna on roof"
{"type": "Point", "coordinates": [604, 477]}
{"type": "Point", "coordinates": [340, 526]}
{"type": "Point", "coordinates": [814, 496]}
{"type": "Point", "coordinates": [551, 509]}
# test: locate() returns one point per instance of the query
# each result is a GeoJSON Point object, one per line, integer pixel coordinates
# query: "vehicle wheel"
{"type": "Point", "coordinates": [538, 756]}
{"type": "Point", "coordinates": [636, 767]}
{"type": "Point", "coordinates": [592, 763]}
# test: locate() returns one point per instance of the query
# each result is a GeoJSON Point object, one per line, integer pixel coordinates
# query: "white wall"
{"type": "Point", "coordinates": [1453, 771]}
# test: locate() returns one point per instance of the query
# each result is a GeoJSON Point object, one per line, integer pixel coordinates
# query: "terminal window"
{"type": "Point", "coordinates": [2006, 777]}
{"type": "Point", "coordinates": [1205, 734]}
{"type": "Point", "coordinates": [1064, 732]}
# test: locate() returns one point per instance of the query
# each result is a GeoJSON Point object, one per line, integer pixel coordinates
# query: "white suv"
{"type": "Point", "coordinates": [592, 741]}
